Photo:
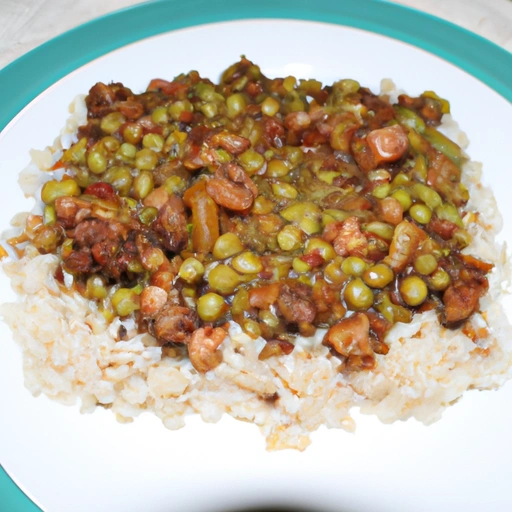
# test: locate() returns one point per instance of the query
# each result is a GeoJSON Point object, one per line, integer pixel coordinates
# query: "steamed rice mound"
{"type": "Point", "coordinates": [71, 354]}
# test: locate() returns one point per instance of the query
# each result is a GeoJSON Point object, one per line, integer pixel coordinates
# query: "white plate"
{"type": "Point", "coordinates": [66, 461]}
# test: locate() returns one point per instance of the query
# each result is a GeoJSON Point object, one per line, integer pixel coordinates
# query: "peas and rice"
{"type": "Point", "coordinates": [223, 234]}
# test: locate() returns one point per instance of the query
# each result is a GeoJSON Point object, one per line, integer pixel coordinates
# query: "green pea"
{"type": "Point", "coordinates": [439, 280]}
{"type": "Point", "coordinates": [413, 290]}
{"type": "Point", "coordinates": [425, 264]}
{"type": "Point", "coordinates": [153, 141]}
{"type": "Point", "coordinates": [112, 122]}
{"type": "Point", "coordinates": [427, 195]}
{"type": "Point", "coordinates": [127, 151]}
{"type": "Point", "coordinates": [96, 162]}
{"type": "Point", "coordinates": [353, 266]}
{"type": "Point", "coordinates": [421, 213]}
{"type": "Point", "coordinates": [236, 105]}
{"type": "Point", "coordinates": [403, 197]}
{"type": "Point", "coordinates": [159, 115]}
{"type": "Point", "coordinates": [378, 276]}
{"type": "Point", "coordinates": [358, 295]}
{"type": "Point", "coordinates": [120, 178]}
{"type": "Point", "coordinates": [142, 185]}
{"type": "Point", "coordinates": [146, 159]}
{"type": "Point", "coordinates": [53, 189]}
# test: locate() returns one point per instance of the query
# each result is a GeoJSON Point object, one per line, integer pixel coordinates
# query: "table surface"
{"type": "Point", "coordinates": [25, 24]}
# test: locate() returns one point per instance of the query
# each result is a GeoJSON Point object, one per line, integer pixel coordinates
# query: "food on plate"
{"type": "Point", "coordinates": [274, 249]}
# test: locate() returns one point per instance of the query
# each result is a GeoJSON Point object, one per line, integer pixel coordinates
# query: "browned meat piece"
{"type": "Point", "coordinates": [71, 210]}
{"type": "Point", "coordinates": [92, 231]}
{"type": "Point", "coordinates": [79, 262]}
{"type": "Point", "coordinates": [173, 324]}
{"type": "Point", "coordinates": [273, 132]}
{"type": "Point", "coordinates": [442, 227]}
{"type": "Point", "coordinates": [232, 188]}
{"type": "Point", "coordinates": [275, 348]}
{"type": "Point", "coordinates": [428, 108]}
{"type": "Point", "coordinates": [346, 237]}
{"type": "Point", "coordinates": [383, 111]}
{"type": "Point", "coordinates": [103, 251]}
{"type": "Point", "coordinates": [202, 348]}
{"type": "Point", "coordinates": [171, 225]}
{"type": "Point", "coordinates": [350, 338]}
{"type": "Point", "coordinates": [230, 142]}
{"type": "Point", "coordinates": [444, 177]}
{"type": "Point", "coordinates": [152, 300]}
{"type": "Point", "coordinates": [130, 109]}
{"type": "Point", "coordinates": [100, 100]}
{"type": "Point", "coordinates": [406, 239]}
{"type": "Point", "coordinates": [460, 302]}
{"type": "Point", "coordinates": [296, 304]}
{"type": "Point", "coordinates": [388, 144]}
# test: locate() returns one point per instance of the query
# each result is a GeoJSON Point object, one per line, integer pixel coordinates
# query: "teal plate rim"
{"type": "Point", "coordinates": [24, 79]}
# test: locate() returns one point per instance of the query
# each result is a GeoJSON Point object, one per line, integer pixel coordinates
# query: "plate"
{"type": "Point", "coordinates": [66, 461]}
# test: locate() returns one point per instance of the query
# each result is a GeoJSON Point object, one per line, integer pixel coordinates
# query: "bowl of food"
{"type": "Point", "coordinates": [241, 255]}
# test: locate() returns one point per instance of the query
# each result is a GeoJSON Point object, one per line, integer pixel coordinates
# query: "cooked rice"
{"type": "Point", "coordinates": [71, 354]}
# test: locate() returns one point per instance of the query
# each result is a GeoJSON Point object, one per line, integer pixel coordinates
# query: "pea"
{"type": "Point", "coordinates": [306, 214]}
{"type": "Point", "coordinates": [125, 301]}
{"type": "Point", "coordinates": [421, 213]}
{"type": "Point", "coordinates": [290, 238]}
{"type": "Point", "coordinates": [403, 197]}
{"type": "Point", "coordinates": [96, 162]}
{"type": "Point", "coordinates": [148, 215]}
{"type": "Point", "coordinates": [413, 290]}
{"type": "Point", "coordinates": [425, 264]}
{"type": "Point", "coordinates": [120, 178]}
{"type": "Point", "coordinates": [112, 122]}
{"type": "Point", "coordinates": [110, 144]}
{"type": "Point", "coordinates": [439, 280]}
{"type": "Point", "coordinates": [211, 307]}
{"type": "Point", "coordinates": [224, 279]}
{"type": "Point", "coordinates": [277, 168]}
{"type": "Point", "coordinates": [209, 110]}
{"type": "Point", "coordinates": [146, 159]}
{"type": "Point", "coordinates": [448, 211]}
{"type": "Point", "coordinates": [300, 266]}
{"type": "Point", "coordinates": [282, 189]}
{"type": "Point", "coordinates": [357, 295]}
{"type": "Point", "coordinates": [247, 263]}
{"type": "Point", "coordinates": [333, 272]}
{"type": "Point", "coordinates": [127, 151]}
{"type": "Point", "coordinates": [178, 107]}
{"type": "Point", "coordinates": [96, 288]}
{"type": "Point", "coordinates": [251, 161]}
{"type": "Point", "coordinates": [353, 266]}
{"type": "Point", "coordinates": [142, 185]}
{"type": "Point", "coordinates": [381, 191]}
{"type": "Point", "coordinates": [381, 229]}
{"type": "Point", "coordinates": [240, 302]}
{"type": "Point", "coordinates": [270, 106]}
{"type": "Point", "coordinates": [320, 246]}
{"type": "Point", "coordinates": [53, 189]}
{"type": "Point", "coordinates": [49, 215]}
{"type": "Point", "coordinates": [428, 195]}
{"type": "Point", "coordinates": [236, 105]}
{"type": "Point", "coordinates": [153, 141]}
{"type": "Point", "coordinates": [227, 245]}
{"type": "Point", "coordinates": [378, 276]}
{"type": "Point", "coordinates": [159, 115]}
{"type": "Point", "coordinates": [251, 328]}
{"type": "Point", "coordinates": [132, 133]}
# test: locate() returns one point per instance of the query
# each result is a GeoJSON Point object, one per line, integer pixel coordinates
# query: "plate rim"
{"type": "Point", "coordinates": [22, 80]}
